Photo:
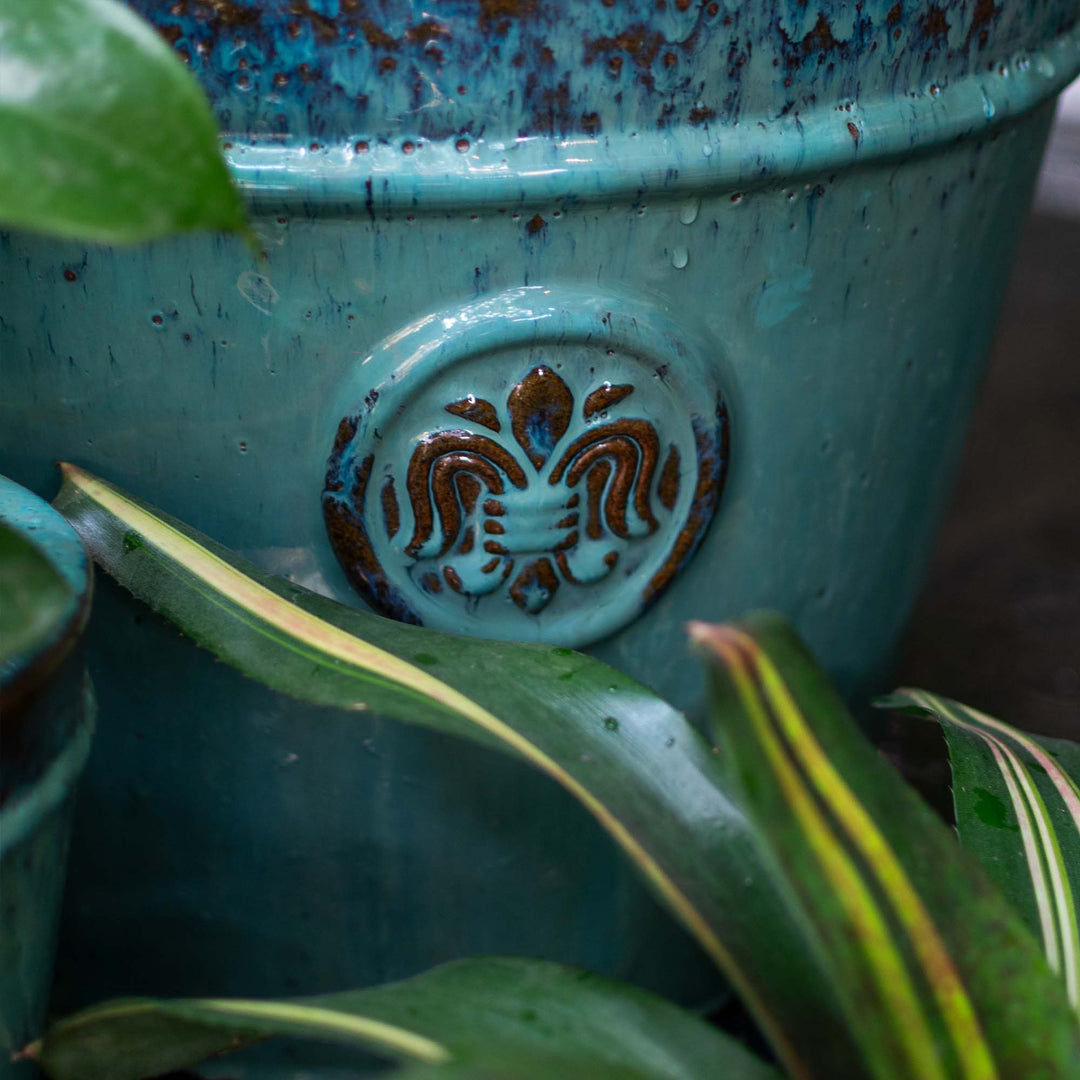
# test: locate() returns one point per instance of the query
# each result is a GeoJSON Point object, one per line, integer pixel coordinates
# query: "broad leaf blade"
{"type": "Point", "coordinates": [632, 760]}
{"type": "Point", "coordinates": [520, 1019]}
{"type": "Point", "coordinates": [938, 976]}
{"type": "Point", "coordinates": [104, 135]}
{"type": "Point", "coordinates": [1018, 811]}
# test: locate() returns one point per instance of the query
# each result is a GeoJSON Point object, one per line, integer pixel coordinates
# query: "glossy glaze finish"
{"type": "Point", "coordinates": [829, 234]}
{"type": "Point", "coordinates": [538, 465]}
{"type": "Point", "coordinates": [46, 738]}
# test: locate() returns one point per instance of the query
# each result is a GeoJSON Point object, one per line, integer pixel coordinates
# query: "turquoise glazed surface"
{"type": "Point", "coordinates": [45, 740]}
{"type": "Point", "coordinates": [726, 273]}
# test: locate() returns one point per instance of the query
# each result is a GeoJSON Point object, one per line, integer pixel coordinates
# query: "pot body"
{"type": "Point", "coordinates": [750, 255]}
{"type": "Point", "coordinates": [48, 720]}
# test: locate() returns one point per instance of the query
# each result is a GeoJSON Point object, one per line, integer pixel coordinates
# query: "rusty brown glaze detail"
{"type": "Point", "coordinates": [605, 397]}
{"type": "Point", "coordinates": [391, 511]}
{"type": "Point", "coordinates": [496, 16]}
{"type": "Point", "coordinates": [600, 484]}
{"type": "Point", "coordinates": [934, 24]}
{"type": "Point", "coordinates": [712, 470]}
{"type": "Point", "coordinates": [986, 11]}
{"type": "Point", "coordinates": [535, 586]}
{"type": "Point", "coordinates": [350, 540]}
{"type": "Point", "coordinates": [437, 460]}
{"type": "Point", "coordinates": [640, 43]}
{"type": "Point", "coordinates": [818, 42]}
{"type": "Point", "coordinates": [541, 408]}
{"type": "Point", "coordinates": [632, 446]}
{"type": "Point", "coordinates": [378, 38]}
{"type": "Point", "coordinates": [543, 65]}
{"type": "Point", "coordinates": [595, 485]}
{"type": "Point", "coordinates": [668, 490]}
{"type": "Point", "coordinates": [535, 224]}
{"type": "Point", "coordinates": [477, 410]}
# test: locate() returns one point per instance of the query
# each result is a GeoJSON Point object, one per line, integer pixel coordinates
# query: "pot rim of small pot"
{"type": "Point", "coordinates": [414, 175]}
{"type": "Point", "coordinates": [40, 657]}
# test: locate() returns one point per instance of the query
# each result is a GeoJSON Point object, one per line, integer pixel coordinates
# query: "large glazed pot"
{"type": "Point", "coordinates": [46, 719]}
{"type": "Point", "coordinates": [574, 321]}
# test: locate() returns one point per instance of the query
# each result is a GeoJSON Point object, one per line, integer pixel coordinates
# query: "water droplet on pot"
{"type": "Point", "coordinates": [689, 211]}
{"type": "Point", "coordinates": [610, 723]}
{"type": "Point", "coordinates": [680, 257]}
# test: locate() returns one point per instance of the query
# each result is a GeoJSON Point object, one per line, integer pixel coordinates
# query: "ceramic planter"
{"type": "Point", "coordinates": [574, 321]}
{"type": "Point", "coordinates": [47, 714]}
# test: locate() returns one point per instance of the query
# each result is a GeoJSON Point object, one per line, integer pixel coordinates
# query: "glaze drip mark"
{"type": "Point", "coordinates": [545, 501]}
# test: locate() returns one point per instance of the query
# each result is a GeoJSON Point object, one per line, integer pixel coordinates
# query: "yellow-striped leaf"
{"type": "Point", "coordinates": [1018, 810]}
{"type": "Point", "coordinates": [471, 1019]}
{"type": "Point", "coordinates": [939, 978]}
{"type": "Point", "coordinates": [634, 762]}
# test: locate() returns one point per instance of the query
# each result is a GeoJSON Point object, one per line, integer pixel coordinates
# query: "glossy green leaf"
{"type": "Point", "coordinates": [632, 760]}
{"type": "Point", "coordinates": [104, 134]}
{"type": "Point", "coordinates": [1018, 811]}
{"type": "Point", "coordinates": [34, 598]}
{"type": "Point", "coordinates": [515, 1019]}
{"type": "Point", "coordinates": [938, 976]}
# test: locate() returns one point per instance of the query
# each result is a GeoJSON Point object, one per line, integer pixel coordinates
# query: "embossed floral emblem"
{"type": "Point", "coordinates": [540, 509]}
{"type": "Point", "coordinates": [528, 497]}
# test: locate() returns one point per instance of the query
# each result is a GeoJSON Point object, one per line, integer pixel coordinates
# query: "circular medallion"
{"type": "Point", "coordinates": [537, 466]}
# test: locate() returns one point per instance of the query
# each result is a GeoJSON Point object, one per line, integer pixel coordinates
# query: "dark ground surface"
{"type": "Point", "coordinates": [998, 622]}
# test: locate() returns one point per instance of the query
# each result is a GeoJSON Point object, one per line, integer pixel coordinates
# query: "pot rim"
{"type": "Point", "coordinates": [435, 175]}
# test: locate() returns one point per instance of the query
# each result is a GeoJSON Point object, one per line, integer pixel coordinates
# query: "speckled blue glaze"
{"type": "Point", "coordinates": [823, 199]}
{"type": "Point", "coordinates": [46, 741]}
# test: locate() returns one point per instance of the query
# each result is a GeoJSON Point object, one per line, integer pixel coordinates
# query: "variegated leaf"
{"type": "Point", "coordinates": [634, 762]}
{"type": "Point", "coordinates": [938, 976]}
{"type": "Point", "coordinates": [1018, 810]}
{"type": "Point", "coordinates": [471, 1020]}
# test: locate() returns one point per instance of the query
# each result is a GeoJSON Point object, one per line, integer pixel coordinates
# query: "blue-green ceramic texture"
{"type": "Point", "coordinates": [46, 737]}
{"type": "Point", "coordinates": [784, 227]}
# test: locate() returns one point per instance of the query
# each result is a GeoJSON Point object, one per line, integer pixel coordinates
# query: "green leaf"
{"type": "Point", "coordinates": [34, 599]}
{"type": "Point", "coordinates": [634, 762]}
{"type": "Point", "coordinates": [517, 1019]}
{"type": "Point", "coordinates": [938, 976]}
{"type": "Point", "coordinates": [104, 135]}
{"type": "Point", "coordinates": [1018, 811]}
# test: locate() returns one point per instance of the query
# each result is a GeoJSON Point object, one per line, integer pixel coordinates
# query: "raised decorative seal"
{"type": "Point", "coordinates": [533, 467]}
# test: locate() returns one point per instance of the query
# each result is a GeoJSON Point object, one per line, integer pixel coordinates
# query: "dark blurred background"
{"type": "Point", "coordinates": [998, 622]}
